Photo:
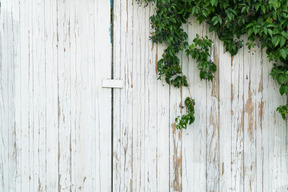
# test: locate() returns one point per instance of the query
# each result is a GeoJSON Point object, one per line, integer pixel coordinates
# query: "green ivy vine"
{"type": "Point", "coordinates": [189, 118]}
{"type": "Point", "coordinates": [265, 20]}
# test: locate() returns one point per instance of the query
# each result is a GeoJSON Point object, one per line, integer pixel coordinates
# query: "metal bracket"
{"type": "Point", "coordinates": [111, 83]}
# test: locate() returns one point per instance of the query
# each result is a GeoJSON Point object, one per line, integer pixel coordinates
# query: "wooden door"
{"type": "Point", "coordinates": [238, 141]}
{"type": "Point", "coordinates": [55, 118]}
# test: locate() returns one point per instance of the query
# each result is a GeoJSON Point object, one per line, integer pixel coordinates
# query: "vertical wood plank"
{"type": "Point", "coordinates": [64, 95]}
{"type": "Point", "coordinates": [266, 129]}
{"type": "Point", "coordinates": [24, 91]}
{"type": "Point", "coordinates": [259, 113]}
{"type": "Point", "coordinates": [17, 94]}
{"type": "Point", "coordinates": [51, 103]}
{"type": "Point", "coordinates": [175, 140]}
{"type": "Point", "coordinates": [9, 52]}
{"type": "Point", "coordinates": [81, 94]}
{"type": "Point", "coordinates": [252, 79]}
{"type": "Point", "coordinates": [80, 177]}
{"type": "Point", "coordinates": [225, 117]}
{"type": "Point", "coordinates": [163, 140]}
{"type": "Point", "coordinates": [102, 97]}
{"type": "Point", "coordinates": [237, 129]}
{"type": "Point", "coordinates": [118, 126]}
{"type": "Point", "coordinates": [138, 102]}
{"type": "Point", "coordinates": [194, 137]}
{"type": "Point", "coordinates": [3, 103]}
{"type": "Point", "coordinates": [123, 130]}
{"type": "Point", "coordinates": [39, 95]}
{"type": "Point", "coordinates": [213, 127]}
{"type": "Point", "coordinates": [2, 143]}
{"type": "Point", "coordinates": [17, 97]}
{"type": "Point", "coordinates": [151, 97]}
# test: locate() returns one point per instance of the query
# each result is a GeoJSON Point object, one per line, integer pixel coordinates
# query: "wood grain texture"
{"type": "Point", "coordinates": [55, 117]}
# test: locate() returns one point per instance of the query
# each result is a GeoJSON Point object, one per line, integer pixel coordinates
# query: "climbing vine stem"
{"type": "Point", "coordinates": [262, 20]}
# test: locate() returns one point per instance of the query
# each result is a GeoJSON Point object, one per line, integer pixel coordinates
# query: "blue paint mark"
{"type": "Point", "coordinates": [111, 22]}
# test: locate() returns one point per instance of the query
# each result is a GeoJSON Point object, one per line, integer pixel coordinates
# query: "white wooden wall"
{"type": "Point", "coordinates": [55, 119]}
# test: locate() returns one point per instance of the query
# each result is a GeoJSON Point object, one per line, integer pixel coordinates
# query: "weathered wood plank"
{"type": "Point", "coordinates": [3, 151]}
{"type": "Point", "coordinates": [223, 59]}
{"type": "Point", "coordinates": [151, 98]}
{"type": "Point", "coordinates": [213, 126]}
{"type": "Point", "coordinates": [194, 137]}
{"type": "Point", "coordinates": [123, 129]}
{"type": "Point", "coordinates": [16, 47]}
{"type": "Point", "coordinates": [259, 113]}
{"type": "Point", "coordinates": [79, 47]}
{"type": "Point", "coordinates": [102, 97]}
{"type": "Point", "coordinates": [237, 127]}
{"type": "Point", "coordinates": [175, 140]}
{"type": "Point", "coordinates": [163, 116]}
{"type": "Point", "coordinates": [266, 129]}
{"type": "Point", "coordinates": [119, 148]}
{"type": "Point", "coordinates": [9, 48]}
{"type": "Point", "coordinates": [252, 80]}
{"type": "Point", "coordinates": [64, 94]}
{"type": "Point", "coordinates": [139, 96]}
{"type": "Point", "coordinates": [39, 95]}
{"type": "Point", "coordinates": [51, 75]}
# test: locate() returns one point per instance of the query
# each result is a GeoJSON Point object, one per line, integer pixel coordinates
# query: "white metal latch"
{"type": "Point", "coordinates": [111, 83]}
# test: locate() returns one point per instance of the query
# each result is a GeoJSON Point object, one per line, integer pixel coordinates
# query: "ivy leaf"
{"type": "Point", "coordinates": [283, 89]}
{"type": "Point", "coordinates": [282, 42]}
{"type": "Point", "coordinates": [283, 116]}
{"type": "Point", "coordinates": [215, 20]}
{"type": "Point", "coordinates": [285, 34]}
{"type": "Point", "coordinates": [255, 30]}
{"type": "Point", "coordinates": [281, 79]}
{"type": "Point", "coordinates": [263, 8]}
{"type": "Point", "coordinates": [270, 32]}
{"type": "Point", "coordinates": [250, 31]}
{"type": "Point", "coordinates": [257, 6]}
{"type": "Point", "coordinates": [265, 30]}
{"type": "Point", "coordinates": [276, 40]}
{"type": "Point", "coordinates": [213, 2]}
{"type": "Point", "coordinates": [283, 53]}
{"type": "Point", "coordinates": [250, 25]}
